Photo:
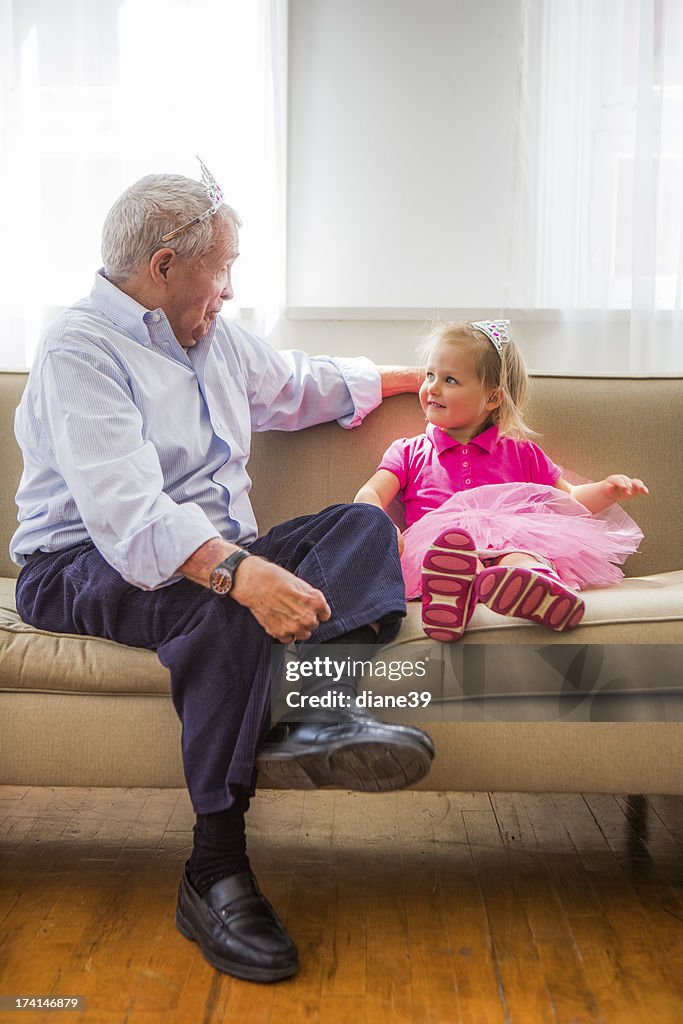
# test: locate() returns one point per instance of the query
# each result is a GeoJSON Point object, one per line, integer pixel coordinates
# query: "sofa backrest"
{"type": "Point", "coordinates": [11, 388]}
{"type": "Point", "coordinates": [589, 425]}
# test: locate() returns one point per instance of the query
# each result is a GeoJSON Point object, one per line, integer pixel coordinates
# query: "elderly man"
{"type": "Point", "coordinates": [135, 525]}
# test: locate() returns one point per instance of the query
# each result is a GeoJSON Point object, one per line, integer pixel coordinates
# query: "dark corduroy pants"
{"type": "Point", "coordinates": [217, 653]}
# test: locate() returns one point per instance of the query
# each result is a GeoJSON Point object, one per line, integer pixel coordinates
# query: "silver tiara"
{"type": "Point", "coordinates": [214, 194]}
{"type": "Point", "coordinates": [496, 331]}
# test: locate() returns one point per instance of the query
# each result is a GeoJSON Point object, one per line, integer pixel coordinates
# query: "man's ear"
{"type": "Point", "coordinates": [494, 400]}
{"type": "Point", "coordinates": [160, 264]}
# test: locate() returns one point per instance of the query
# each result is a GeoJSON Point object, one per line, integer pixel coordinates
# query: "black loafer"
{"type": "Point", "coordinates": [344, 750]}
{"type": "Point", "coordinates": [238, 931]}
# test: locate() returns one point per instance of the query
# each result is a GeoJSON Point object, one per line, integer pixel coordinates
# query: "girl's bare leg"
{"type": "Point", "coordinates": [522, 558]}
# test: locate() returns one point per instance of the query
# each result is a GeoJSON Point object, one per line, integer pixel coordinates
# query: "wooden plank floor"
{"type": "Point", "coordinates": [409, 907]}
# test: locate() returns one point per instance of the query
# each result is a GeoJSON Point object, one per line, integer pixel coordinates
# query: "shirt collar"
{"type": "Point", "coordinates": [487, 440]}
{"type": "Point", "coordinates": [127, 313]}
{"type": "Point", "coordinates": [123, 310]}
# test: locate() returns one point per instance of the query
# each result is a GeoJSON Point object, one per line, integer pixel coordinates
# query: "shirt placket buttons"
{"type": "Point", "coordinates": [465, 465]}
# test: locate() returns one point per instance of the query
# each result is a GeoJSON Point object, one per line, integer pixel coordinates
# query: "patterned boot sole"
{"type": "Point", "coordinates": [448, 573]}
{"type": "Point", "coordinates": [526, 594]}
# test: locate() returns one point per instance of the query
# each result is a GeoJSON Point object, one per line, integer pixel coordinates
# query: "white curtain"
{"type": "Point", "coordinates": [96, 93]}
{"type": "Point", "coordinates": [598, 172]}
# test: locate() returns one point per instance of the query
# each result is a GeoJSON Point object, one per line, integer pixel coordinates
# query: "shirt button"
{"type": "Point", "coordinates": [464, 451]}
{"type": "Point", "coordinates": [468, 481]}
{"type": "Point", "coordinates": [465, 465]}
{"type": "Point", "coordinates": [156, 318]}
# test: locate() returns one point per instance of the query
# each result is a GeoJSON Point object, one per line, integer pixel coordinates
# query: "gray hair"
{"type": "Point", "coordinates": [154, 206]}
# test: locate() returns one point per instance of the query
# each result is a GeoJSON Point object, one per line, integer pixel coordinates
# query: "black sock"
{"type": "Point", "coordinates": [345, 688]}
{"type": "Point", "coordinates": [343, 691]}
{"type": "Point", "coordinates": [360, 635]}
{"type": "Point", "coordinates": [220, 846]}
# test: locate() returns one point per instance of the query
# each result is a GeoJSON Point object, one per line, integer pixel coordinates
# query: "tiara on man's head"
{"type": "Point", "coordinates": [213, 190]}
{"type": "Point", "coordinates": [214, 194]}
{"type": "Point", "coordinates": [496, 331]}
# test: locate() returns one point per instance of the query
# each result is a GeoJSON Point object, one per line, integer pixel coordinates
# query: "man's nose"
{"type": "Point", "coordinates": [227, 293]}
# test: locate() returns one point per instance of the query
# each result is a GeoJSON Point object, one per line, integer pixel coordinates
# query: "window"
{"type": "Point", "coordinates": [599, 188]}
{"type": "Point", "coordinates": [96, 93]}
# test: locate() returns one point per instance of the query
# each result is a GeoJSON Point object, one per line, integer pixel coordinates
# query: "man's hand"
{"type": "Point", "coordinates": [397, 380]}
{"type": "Point", "coordinates": [287, 607]}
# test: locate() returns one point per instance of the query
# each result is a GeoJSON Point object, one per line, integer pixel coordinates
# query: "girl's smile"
{"type": "Point", "coordinates": [451, 395]}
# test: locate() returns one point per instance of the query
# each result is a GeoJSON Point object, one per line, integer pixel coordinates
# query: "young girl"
{"type": "Point", "coordinates": [489, 516]}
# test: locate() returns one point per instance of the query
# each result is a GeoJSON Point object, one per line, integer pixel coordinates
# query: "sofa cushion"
{"type": "Point", "coordinates": [653, 603]}
{"type": "Point", "coordinates": [623, 664]}
{"type": "Point", "coordinates": [41, 661]}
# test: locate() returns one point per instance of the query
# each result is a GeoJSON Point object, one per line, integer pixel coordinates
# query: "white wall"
{"type": "Point", "coordinates": [401, 138]}
{"type": "Point", "coordinates": [401, 154]}
{"type": "Point", "coordinates": [549, 342]}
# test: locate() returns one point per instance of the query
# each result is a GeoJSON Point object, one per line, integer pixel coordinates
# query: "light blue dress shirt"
{"type": "Point", "coordinates": [142, 446]}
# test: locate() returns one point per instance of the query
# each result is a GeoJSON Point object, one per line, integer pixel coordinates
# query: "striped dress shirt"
{"type": "Point", "coordinates": [142, 446]}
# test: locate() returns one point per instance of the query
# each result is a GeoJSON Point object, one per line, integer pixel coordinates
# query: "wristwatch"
{"type": "Point", "coordinates": [222, 578]}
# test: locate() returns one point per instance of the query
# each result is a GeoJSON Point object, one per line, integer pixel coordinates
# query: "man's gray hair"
{"type": "Point", "coordinates": [154, 206]}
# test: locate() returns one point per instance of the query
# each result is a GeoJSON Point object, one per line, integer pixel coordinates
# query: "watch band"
{"type": "Point", "coordinates": [222, 578]}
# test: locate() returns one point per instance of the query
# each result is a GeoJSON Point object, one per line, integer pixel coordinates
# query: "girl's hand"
{"type": "Point", "coordinates": [401, 542]}
{"type": "Point", "coordinates": [596, 497]}
{"type": "Point", "coordinates": [620, 487]}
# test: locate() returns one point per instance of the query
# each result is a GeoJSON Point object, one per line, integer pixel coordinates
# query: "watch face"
{"type": "Point", "coordinates": [221, 580]}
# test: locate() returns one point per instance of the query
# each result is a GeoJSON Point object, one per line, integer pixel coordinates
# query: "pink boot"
{"type": "Point", "coordinates": [538, 595]}
{"type": "Point", "coordinates": [448, 573]}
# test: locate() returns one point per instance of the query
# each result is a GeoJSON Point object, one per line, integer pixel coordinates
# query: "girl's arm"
{"type": "Point", "coordinates": [380, 490]}
{"type": "Point", "coordinates": [600, 495]}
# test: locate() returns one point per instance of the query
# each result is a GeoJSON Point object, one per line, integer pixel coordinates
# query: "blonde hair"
{"type": "Point", "coordinates": [506, 374]}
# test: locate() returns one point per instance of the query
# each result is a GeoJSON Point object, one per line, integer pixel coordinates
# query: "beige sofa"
{"type": "Point", "coordinates": [514, 707]}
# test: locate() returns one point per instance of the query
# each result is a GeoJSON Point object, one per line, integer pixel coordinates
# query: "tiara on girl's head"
{"type": "Point", "coordinates": [214, 194]}
{"type": "Point", "coordinates": [496, 331]}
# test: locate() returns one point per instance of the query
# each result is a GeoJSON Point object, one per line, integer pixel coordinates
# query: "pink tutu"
{"type": "Point", "coordinates": [536, 518]}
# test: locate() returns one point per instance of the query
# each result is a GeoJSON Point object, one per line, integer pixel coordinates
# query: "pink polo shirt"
{"type": "Point", "coordinates": [433, 466]}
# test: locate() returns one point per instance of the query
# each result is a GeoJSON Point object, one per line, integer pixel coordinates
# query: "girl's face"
{"type": "Point", "coordinates": [451, 395]}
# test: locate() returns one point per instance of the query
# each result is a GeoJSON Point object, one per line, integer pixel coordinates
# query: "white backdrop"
{"type": "Point", "coordinates": [519, 157]}
{"type": "Point", "coordinates": [95, 94]}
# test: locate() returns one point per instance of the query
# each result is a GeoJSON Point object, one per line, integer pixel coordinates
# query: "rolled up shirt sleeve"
{"type": "Point", "coordinates": [363, 381]}
{"type": "Point", "coordinates": [113, 474]}
{"type": "Point", "coordinates": [290, 390]}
